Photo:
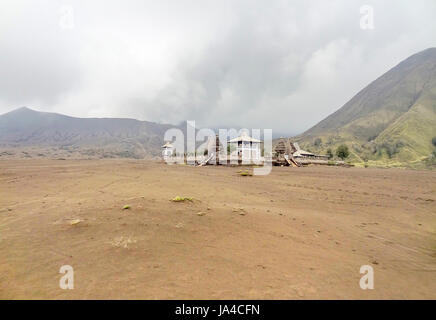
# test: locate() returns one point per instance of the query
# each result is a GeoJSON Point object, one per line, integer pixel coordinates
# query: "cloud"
{"type": "Point", "coordinates": [280, 64]}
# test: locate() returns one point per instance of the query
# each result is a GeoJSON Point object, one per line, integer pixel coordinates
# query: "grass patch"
{"type": "Point", "coordinates": [245, 173]}
{"type": "Point", "coordinates": [181, 199]}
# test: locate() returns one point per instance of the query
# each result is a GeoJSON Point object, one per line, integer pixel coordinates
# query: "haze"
{"type": "Point", "coordinates": [283, 65]}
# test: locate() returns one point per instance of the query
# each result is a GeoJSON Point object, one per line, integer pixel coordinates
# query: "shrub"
{"type": "Point", "coordinates": [317, 142]}
{"type": "Point", "coordinates": [329, 153]}
{"type": "Point", "coordinates": [392, 149]}
{"type": "Point", "coordinates": [433, 141]}
{"type": "Point", "coordinates": [342, 151]}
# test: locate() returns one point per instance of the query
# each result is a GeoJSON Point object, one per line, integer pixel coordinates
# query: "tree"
{"type": "Point", "coordinates": [317, 142]}
{"type": "Point", "coordinates": [329, 153]}
{"type": "Point", "coordinates": [342, 151]}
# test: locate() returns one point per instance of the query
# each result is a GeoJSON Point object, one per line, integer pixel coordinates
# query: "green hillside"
{"type": "Point", "coordinates": [391, 122]}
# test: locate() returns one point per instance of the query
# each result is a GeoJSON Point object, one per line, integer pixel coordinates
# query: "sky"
{"type": "Point", "coordinates": [276, 64]}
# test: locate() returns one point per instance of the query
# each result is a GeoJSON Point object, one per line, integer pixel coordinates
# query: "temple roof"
{"type": "Point", "coordinates": [167, 145]}
{"type": "Point", "coordinates": [244, 137]}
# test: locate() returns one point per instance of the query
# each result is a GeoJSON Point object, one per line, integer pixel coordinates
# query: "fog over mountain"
{"type": "Point", "coordinates": [283, 65]}
{"type": "Point", "coordinates": [29, 133]}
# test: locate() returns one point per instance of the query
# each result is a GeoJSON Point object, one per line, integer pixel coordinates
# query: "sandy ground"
{"type": "Point", "coordinates": [299, 233]}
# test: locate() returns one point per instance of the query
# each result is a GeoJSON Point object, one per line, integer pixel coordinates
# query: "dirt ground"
{"type": "Point", "coordinates": [299, 233]}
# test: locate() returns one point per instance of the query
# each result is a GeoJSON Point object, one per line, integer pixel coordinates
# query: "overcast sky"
{"type": "Point", "coordinates": [283, 65]}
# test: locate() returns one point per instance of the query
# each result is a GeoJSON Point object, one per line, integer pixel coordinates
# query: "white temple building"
{"type": "Point", "coordinates": [245, 147]}
{"type": "Point", "coordinates": [167, 150]}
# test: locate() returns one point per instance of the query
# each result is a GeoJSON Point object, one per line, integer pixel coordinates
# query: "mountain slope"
{"type": "Point", "coordinates": [391, 121]}
{"type": "Point", "coordinates": [99, 137]}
